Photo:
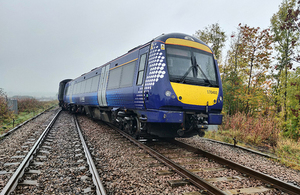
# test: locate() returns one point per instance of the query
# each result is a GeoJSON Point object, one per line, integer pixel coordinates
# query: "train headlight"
{"type": "Point", "coordinates": [221, 98]}
{"type": "Point", "coordinates": [168, 93]}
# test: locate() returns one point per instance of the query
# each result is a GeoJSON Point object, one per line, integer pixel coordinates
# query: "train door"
{"type": "Point", "coordinates": [103, 84]}
{"type": "Point", "coordinates": [140, 93]}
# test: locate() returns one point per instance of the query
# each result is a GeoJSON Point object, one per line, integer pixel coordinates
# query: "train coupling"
{"type": "Point", "coordinates": [200, 128]}
{"type": "Point", "coordinates": [203, 126]}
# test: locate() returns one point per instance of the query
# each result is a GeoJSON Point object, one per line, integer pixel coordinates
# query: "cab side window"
{"type": "Point", "coordinates": [142, 64]}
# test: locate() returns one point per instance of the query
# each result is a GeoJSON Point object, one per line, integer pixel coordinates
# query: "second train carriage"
{"type": "Point", "coordinates": [168, 87]}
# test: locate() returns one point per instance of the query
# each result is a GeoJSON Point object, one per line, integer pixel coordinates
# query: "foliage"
{"type": "Point", "coordinates": [289, 151]}
{"type": "Point", "coordinates": [214, 36]}
{"type": "Point", "coordinates": [28, 108]}
{"type": "Point", "coordinates": [260, 130]}
{"type": "Point", "coordinates": [286, 37]}
{"type": "Point", "coordinates": [261, 84]}
{"type": "Point", "coordinates": [29, 104]}
{"type": "Point", "coordinates": [245, 81]}
{"type": "Point", "coordinates": [5, 113]}
{"type": "Point", "coordinates": [292, 129]}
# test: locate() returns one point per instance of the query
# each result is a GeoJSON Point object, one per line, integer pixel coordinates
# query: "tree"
{"type": "Point", "coordinates": [293, 130]}
{"type": "Point", "coordinates": [5, 113]}
{"type": "Point", "coordinates": [255, 53]}
{"type": "Point", "coordinates": [292, 23]}
{"type": "Point", "coordinates": [232, 80]}
{"type": "Point", "coordinates": [245, 80]}
{"type": "Point", "coordinates": [286, 36]}
{"type": "Point", "coordinates": [213, 36]}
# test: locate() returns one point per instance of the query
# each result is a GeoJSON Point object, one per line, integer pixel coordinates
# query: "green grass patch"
{"type": "Point", "coordinates": [23, 116]}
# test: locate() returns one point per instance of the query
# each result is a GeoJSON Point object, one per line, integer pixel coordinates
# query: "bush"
{"type": "Point", "coordinates": [29, 105]}
{"type": "Point", "coordinates": [5, 113]}
{"type": "Point", "coordinates": [259, 130]}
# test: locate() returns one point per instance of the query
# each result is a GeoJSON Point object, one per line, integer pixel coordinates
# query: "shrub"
{"type": "Point", "coordinates": [261, 130]}
{"type": "Point", "coordinates": [29, 105]}
{"type": "Point", "coordinates": [5, 113]}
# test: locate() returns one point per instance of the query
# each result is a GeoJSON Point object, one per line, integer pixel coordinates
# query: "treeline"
{"type": "Point", "coordinates": [260, 73]}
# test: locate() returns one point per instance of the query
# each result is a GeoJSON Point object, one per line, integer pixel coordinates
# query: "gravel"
{"type": "Point", "coordinates": [254, 161]}
{"type": "Point", "coordinates": [64, 169]}
{"type": "Point", "coordinates": [123, 166]}
{"type": "Point", "coordinates": [125, 169]}
{"type": "Point", "coordinates": [12, 144]}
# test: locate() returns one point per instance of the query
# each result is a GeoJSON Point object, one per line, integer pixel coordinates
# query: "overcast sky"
{"type": "Point", "coordinates": [45, 41]}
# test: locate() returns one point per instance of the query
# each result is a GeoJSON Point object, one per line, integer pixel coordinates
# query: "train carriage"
{"type": "Point", "coordinates": [168, 87]}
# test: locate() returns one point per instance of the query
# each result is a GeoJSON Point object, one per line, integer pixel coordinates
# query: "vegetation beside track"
{"type": "Point", "coordinates": [263, 133]}
{"type": "Point", "coordinates": [28, 108]}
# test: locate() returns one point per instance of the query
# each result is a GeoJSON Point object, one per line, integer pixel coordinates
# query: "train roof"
{"type": "Point", "coordinates": [65, 81]}
{"type": "Point", "coordinates": [161, 38]}
{"type": "Point", "coordinates": [164, 37]}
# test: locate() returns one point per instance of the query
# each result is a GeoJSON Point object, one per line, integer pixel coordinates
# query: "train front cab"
{"type": "Point", "coordinates": [182, 90]}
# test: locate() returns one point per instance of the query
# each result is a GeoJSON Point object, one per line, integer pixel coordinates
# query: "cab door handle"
{"type": "Point", "coordinates": [146, 95]}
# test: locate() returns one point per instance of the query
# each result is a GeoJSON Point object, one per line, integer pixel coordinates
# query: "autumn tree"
{"type": "Point", "coordinates": [255, 55]}
{"type": "Point", "coordinates": [246, 83]}
{"type": "Point", "coordinates": [284, 27]}
{"type": "Point", "coordinates": [231, 79]}
{"type": "Point", "coordinates": [214, 37]}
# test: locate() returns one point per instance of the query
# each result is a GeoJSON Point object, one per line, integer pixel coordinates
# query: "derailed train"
{"type": "Point", "coordinates": [168, 87]}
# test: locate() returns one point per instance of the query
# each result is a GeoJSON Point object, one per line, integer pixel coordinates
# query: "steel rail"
{"type": "Point", "coordinates": [241, 147]}
{"type": "Point", "coordinates": [191, 177]}
{"type": "Point", "coordinates": [13, 182]}
{"type": "Point", "coordinates": [100, 190]}
{"type": "Point", "coordinates": [276, 183]}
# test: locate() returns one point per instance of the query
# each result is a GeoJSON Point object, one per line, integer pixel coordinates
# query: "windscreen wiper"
{"type": "Point", "coordinates": [206, 79]}
{"type": "Point", "coordinates": [188, 71]}
{"type": "Point", "coordinates": [185, 75]}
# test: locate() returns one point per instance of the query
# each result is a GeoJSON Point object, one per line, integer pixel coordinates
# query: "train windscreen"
{"type": "Point", "coordinates": [191, 66]}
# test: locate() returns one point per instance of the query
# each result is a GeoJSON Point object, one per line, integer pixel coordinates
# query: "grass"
{"type": "Point", "coordinates": [287, 150]}
{"type": "Point", "coordinates": [22, 117]}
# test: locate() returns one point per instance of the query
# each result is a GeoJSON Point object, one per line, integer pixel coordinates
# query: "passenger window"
{"type": "Point", "coordinates": [141, 70]}
{"type": "Point", "coordinates": [95, 81]}
{"type": "Point", "coordinates": [114, 78]}
{"type": "Point", "coordinates": [75, 88]}
{"type": "Point", "coordinates": [82, 86]}
{"type": "Point", "coordinates": [121, 76]}
{"type": "Point", "coordinates": [88, 85]}
{"type": "Point", "coordinates": [127, 75]}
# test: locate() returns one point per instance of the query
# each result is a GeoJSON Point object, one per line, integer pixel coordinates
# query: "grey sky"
{"type": "Point", "coordinates": [45, 41]}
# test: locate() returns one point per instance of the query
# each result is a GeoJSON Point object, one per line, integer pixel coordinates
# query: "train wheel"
{"type": "Point", "coordinates": [133, 127]}
{"type": "Point", "coordinates": [137, 128]}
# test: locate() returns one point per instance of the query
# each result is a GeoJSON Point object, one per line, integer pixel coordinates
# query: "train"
{"type": "Point", "coordinates": [168, 87]}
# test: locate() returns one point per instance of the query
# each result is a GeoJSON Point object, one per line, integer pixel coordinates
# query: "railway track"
{"type": "Point", "coordinates": [61, 166]}
{"type": "Point", "coordinates": [15, 144]}
{"type": "Point", "coordinates": [58, 162]}
{"type": "Point", "coordinates": [262, 182]}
